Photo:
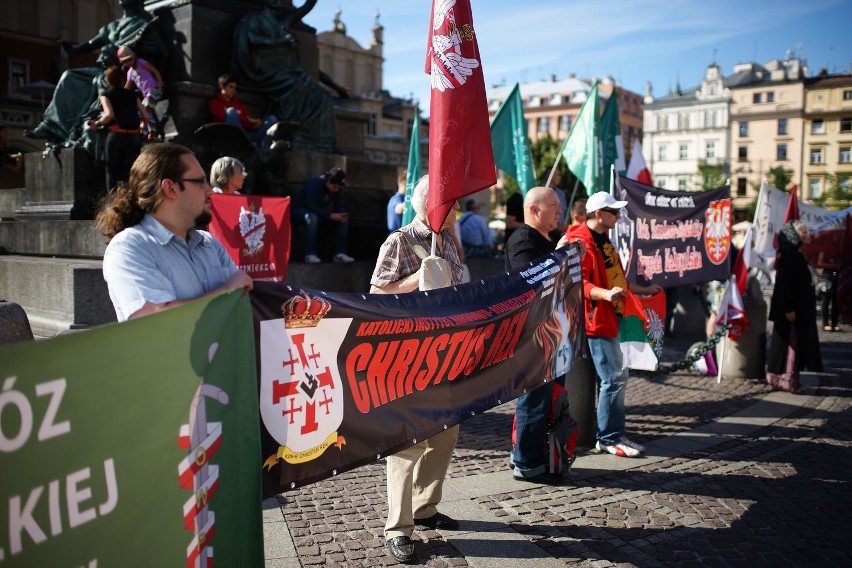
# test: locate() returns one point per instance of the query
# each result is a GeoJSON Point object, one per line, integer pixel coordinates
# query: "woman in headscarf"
{"type": "Point", "coordinates": [795, 344]}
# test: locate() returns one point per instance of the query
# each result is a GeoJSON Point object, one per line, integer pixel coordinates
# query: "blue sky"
{"type": "Point", "coordinates": [635, 41]}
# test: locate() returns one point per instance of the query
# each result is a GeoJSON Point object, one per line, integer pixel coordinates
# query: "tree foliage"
{"type": "Point", "coordinates": [838, 192]}
{"type": "Point", "coordinates": [780, 177]}
{"type": "Point", "coordinates": [712, 177]}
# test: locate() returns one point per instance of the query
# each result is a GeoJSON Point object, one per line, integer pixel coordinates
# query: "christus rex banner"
{"type": "Point", "coordinates": [346, 379]}
{"type": "Point", "coordinates": [133, 444]}
{"type": "Point", "coordinates": [255, 231]}
{"type": "Point", "coordinates": [673, 238]}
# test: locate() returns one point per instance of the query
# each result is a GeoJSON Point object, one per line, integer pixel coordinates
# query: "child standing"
{"type": "Point", "coordinates": [148, 80]}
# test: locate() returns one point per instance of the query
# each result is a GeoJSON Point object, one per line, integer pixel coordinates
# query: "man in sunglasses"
{"type": "Point", "coordinates": [155, 258]}
{"type": "Point", "coordinates": [604, 289]}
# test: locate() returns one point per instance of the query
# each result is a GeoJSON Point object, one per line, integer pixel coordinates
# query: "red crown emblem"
{"type": "Point", "coordinates": [304, 311]}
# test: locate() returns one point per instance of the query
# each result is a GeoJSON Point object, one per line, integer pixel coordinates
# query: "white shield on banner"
{"type": "Point", "coordinates": [301, 394]}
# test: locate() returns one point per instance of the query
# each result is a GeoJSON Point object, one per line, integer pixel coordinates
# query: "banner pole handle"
{"type": "Point", "coordinates": [555, 163]}
{"type": "Point", "coordinates": [571, 201]}
{"type": "Point", "coordinates": [612, 181]}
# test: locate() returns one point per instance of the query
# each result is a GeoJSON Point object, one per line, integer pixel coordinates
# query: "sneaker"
{"type": "Point", "coordinates": [546, 478]}
{"type": "Point", "coordinates": [632, 444]}
{"type": "Point", "coordinates": [312, 259]}
{"type": "Point", "coordinates": [620, 449]}
{"type": "Point", "coordinates": [343, 257]}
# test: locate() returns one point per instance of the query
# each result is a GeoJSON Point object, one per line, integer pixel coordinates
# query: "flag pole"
{"type": "Point", "coordinates": [573, 194]}
{"type": "Point", "coordinates": [556, 163]}
{"type": "Point", "coordinates": [731, 282]}
{"type": "Point", "coordinates": [612, 181]}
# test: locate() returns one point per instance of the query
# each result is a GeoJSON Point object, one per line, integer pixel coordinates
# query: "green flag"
{"type": "Point", "coordinates": [613, 148]}
{"type": "Point", "coordinates": [509, 141]}
{"type": "Point", "coordinates": [582, 148]}
{"type": "Point", "coordinates": [413, 168]}
{"type": "Point", "coordinates": [134, 444]}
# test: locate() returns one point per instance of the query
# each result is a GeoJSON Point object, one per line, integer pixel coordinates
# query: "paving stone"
{"type": "Point", "coordinates": [776, 495]}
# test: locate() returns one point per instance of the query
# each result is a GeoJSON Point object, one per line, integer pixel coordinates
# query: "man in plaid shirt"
{"type": "Point", "coordinates": [416, 475]}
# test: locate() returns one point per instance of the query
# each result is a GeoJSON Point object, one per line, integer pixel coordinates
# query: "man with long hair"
{"type": "Point", "coordinates": [155, 258]}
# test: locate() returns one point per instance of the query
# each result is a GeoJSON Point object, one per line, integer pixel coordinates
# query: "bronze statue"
{"type": "Point", "coordinates": [266, 61]}
{"type": "Point", "coordinates": [76, 96]}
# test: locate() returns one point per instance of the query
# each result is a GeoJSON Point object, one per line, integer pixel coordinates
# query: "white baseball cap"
{"type": "Point", "coordinates": [603, 200]}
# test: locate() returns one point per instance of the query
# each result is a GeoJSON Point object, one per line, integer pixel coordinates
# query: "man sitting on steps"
{"type": "Point", "coordinates": [320, 203]}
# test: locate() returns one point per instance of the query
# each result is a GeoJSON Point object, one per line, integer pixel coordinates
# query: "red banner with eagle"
{"type": "Point", "coordinates": [255, 231]}
{"type": "Point", "coordinates": [461, 160]}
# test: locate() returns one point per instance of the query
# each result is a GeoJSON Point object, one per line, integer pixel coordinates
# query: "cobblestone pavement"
{"type": "Point", "coordinates": [778, 495]}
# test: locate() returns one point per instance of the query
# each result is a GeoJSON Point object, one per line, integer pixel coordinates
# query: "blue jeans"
{"type": "Point", "coordinates": [612, 385]}
{"type": "Point", "coordinates": [312, 223]}
{"type": "Point", "coordinates": [258, 136]}
{"type": "Point", "coordinates": [529, 458]}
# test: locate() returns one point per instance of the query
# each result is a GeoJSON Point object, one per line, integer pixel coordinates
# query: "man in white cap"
{"type": "Point", "coordinates": [604, 287]}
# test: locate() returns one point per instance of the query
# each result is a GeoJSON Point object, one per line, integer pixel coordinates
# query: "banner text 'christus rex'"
{"type": "Point", "coordinates": [346, 379]}
{"type": "Point", "coordinates": [672, 238]}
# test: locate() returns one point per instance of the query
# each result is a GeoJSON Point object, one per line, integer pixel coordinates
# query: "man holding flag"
{"type": "Point", "coordinates": [415, 476]}
{"type": "Point", "coordinates": [604, 291]}
{"type": "Point", "coordinates": [459, 118]}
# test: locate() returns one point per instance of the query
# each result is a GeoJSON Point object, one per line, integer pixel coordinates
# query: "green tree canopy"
{"type": "Point", "coordinates": [712, 177]}
{"type": "Point", "coordinates": [838, 192]}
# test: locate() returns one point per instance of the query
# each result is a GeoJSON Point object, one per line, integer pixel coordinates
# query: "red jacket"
{"type": "Point", "coordinates": [600, 314]}
{"type": "Point", "coordinates": [217, 107]}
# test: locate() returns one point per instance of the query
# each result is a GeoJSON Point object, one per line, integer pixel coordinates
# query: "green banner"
{"type": "Point", "coordinates": [613, 148]}
{"type": "Point", "coordinates": [509, 141]}
{"type": "Point", "coordinates": [414, 169]}
{"type": "Point", "coordinates": [582, 149]}
{"type": "Point", "coordinates": [134, 444]}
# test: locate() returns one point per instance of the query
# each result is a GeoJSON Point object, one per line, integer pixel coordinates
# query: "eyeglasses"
{"type": "Point", "coordinates": [197, 181]}
{"type": "Point", "coordinates": [615, 212]}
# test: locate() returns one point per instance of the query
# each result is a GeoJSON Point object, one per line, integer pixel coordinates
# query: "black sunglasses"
{"type": "Point", "coordinates": [615, 212]}
{"type": "Point", "coordinates": [197, 181]}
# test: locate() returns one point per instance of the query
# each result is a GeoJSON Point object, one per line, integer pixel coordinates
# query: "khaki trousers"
{"type": "Point", "coordinates": [416, 480]}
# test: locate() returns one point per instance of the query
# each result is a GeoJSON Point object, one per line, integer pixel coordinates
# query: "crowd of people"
{"type": "Point", "coordinates": [157, 258]}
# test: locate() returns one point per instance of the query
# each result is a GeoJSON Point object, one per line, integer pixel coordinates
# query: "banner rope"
{"type": "Point", "coordinates": [691, 357]}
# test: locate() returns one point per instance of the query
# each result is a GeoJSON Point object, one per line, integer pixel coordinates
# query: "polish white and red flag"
{"type": "Point", "coordinates": [638, 169]}
{"type": "Point", "coordinates": [732, 311]}
{"type": "Point", "coordinates": [743, 262]}
{"type": "Point", "coordinates": [461, 159]}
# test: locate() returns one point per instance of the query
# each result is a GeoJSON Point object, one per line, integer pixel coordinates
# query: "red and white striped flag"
{"type": "Point", "coordinates": [638, 169]}
{"type": "Point", "coordinates": [743, 262]}
{"type": "Point", "coordinates": [732, 311]}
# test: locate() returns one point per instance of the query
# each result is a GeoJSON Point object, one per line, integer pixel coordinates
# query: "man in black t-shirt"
{"type": "Point", "coordinates": [541, 212]}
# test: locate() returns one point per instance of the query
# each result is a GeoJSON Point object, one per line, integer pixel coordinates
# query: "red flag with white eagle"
{"type": "Point", "coordinates": [461, 160]}
{"type": "Point", "coordinates": [255, 231]}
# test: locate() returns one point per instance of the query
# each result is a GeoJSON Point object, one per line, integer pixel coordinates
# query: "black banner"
{"type": "Point", "coordinates": [346, 379]}
{"type": "Point", "coordinates": [672, 238]}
